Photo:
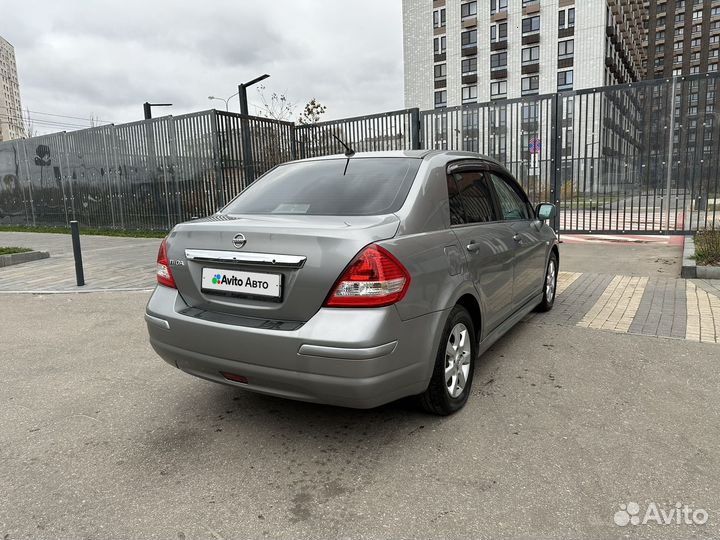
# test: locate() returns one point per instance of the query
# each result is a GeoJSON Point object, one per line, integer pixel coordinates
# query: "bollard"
{"type": "Point", "coordinates": [79, 274]}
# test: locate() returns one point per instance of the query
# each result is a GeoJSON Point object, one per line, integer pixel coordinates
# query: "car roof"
{"type": "Point", "coordinates": [414, 154]}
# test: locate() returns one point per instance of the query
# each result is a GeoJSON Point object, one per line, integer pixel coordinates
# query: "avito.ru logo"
{"type": "Point", "coordinates": [680, 514]}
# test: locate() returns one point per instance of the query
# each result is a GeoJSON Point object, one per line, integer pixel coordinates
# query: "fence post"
{"type": "Point", "coordinates": [415, 129]}
{"type": "Point", "coordinates": [671, 143]}
{"type": "Point", "coordinates": [217, 158]}
{"type": "Point", "coordinates": [293, 142]}
{"type": "Point", "coordinates": [556, 136]}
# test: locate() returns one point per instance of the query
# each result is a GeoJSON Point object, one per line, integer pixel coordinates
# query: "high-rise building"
{"type": "Point", "coordinates": [683, 37]}
{"type": "Point", "coordinates": [11, 121]}
{"type": "Point", "coordinates": [458, 51]}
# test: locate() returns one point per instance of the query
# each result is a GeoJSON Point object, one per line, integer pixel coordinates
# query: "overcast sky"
{"type": "Point", "coordinates": [105, 58]}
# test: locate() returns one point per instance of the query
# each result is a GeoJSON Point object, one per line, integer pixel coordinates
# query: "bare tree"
{"type": "Point", "coordinates": [312, 113]}
{"type": "Point", "coordinates": [278, 107]}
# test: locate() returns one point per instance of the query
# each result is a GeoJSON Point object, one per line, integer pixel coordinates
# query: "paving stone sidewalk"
{"type": "Point", "coordinates": [109, 263]}
{"type": "Point", "coordinates": [653, 306]}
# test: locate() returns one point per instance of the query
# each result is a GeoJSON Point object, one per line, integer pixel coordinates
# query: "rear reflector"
{"type": "Point", "coordinates": [233, 377]}
{"type": "Point", "coordinates": [374, 278]}
{"type": "Point", "coordinates": [164, 275]}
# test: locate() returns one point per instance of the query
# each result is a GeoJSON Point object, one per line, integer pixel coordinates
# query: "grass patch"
{"type": "Point", "coordinates": [707, 248]}
{"type": "Point", "coordinates": [11, 250]}
{"type": "Point", "coordinates": [86, 231]}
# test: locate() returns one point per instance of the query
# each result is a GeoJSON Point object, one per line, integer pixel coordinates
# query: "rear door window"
{"type": "Point", "coordinates": [330, 187]}
{"type": "Point", "coordinates": [475, 195]}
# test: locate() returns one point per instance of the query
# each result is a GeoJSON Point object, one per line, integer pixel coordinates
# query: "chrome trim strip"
{"type": "Point", "coordinates": [237, 257]}
{"type": "Point", "coordinates": [162, 323]}
{"type": "Point", "coordinates": [347, 353]}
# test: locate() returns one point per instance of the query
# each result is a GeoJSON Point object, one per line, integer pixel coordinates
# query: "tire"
{"type": "Point", "coordinates": [549, 284]}
{"type": "Point", "coordinates": [446, 394]}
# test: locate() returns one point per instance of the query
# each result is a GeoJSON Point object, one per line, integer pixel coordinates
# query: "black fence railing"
{"type": "Point", "coordinates": [637, 158]}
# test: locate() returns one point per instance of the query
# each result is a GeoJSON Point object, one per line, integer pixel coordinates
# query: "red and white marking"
{"type": "Point", "coordinates": [620, 239]}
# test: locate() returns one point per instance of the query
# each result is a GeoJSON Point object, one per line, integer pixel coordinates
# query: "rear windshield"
{"type": "Point", "coordinates": [331, 187]}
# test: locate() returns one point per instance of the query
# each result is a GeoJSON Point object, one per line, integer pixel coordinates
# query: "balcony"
{"type": "Point", "coordinates": [499, 45]}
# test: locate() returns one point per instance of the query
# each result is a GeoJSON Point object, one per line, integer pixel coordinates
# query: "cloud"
{"type": "Point", "coordinates": [107, 58]}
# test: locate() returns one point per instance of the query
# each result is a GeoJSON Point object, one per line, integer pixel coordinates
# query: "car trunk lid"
{"type": "Point", "coordinates": [283, 271]}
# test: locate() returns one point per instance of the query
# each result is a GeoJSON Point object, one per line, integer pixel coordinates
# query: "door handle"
{"type": "Point", "coordinates": [472, 247]}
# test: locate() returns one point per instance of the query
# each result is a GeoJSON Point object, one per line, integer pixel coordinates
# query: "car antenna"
{"type": "Point", "coordinates": [349, 152]}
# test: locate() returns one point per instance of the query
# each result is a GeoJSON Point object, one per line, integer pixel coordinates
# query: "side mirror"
{"type": "Point", "coordinates": [545, 211]}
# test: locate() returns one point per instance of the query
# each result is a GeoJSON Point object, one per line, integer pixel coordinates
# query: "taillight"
{"type": "Point", "coordinates": [374, 278]}
{"type": "Point", "coordinates": [164, 275]}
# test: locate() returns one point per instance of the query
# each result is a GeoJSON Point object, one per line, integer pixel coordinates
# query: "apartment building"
{"type": "Point", "coordinates": [458, 51]}
{"type": "Point", "coordinates": [11, 121]}
{"type": "Point", "coordinates": [683, 37]}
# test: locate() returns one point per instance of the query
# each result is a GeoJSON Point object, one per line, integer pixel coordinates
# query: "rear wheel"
{"type": "Point", "coordinates": [452, 376]}
{"type": "Point", "coordinates": [550, 284]}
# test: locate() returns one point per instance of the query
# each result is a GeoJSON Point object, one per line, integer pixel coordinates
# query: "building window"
{"type": "Point", "coordinates": [566, 49]}
{"type": "Point", "coordinates": [695, 42]}
{"type": "Point", "coordinates": [566, 18]}
{"type": "Point", "coordinates": [678, 59]}
{"type": "Point", "coordinates": [660, 21]}
{"type": "Point", "coordinates": [469, 38]}
{"type": "Point", "coordinates": [530, 112]}
{"type": "Point", "coordinates": [440, 98]}
{"type": "Point", "coordinates": [439, 18]}
{"type": "Point", "coordinates": [694, 70]}
{"type": "Point", "coordinates": [498, 32]}
{"type": "Point", "coordinates": [715, 39]}
{"type": "Point", "coordinates": [565, 80]}
{"type": "Point", "coordinates": [678, 45]}
{"type": "Point", "coordinates": [697, 28]}
{"type": "Point", "coordinates": [712, 68]}
{"type": "Point", "coordinates": [660, 36]}
{"type": "Point", "coordinates": [469, 65]}
{"type": "Point", "coordinates": [440, 71]}
{"type": "Point", "coordinates": [715, 11]}
{"type": "Point", "coordinates": [530, 55]}
{"type": "Point", "coordinates": [498, 60]}
{"type": "Point", "coordinates": [531, 24]}
{"type": "Point", "coordinates": [440, 44]}
{"type": "Point", "coordinates": [677, 72]}
{"type": "Point", "coordinates": [530, 85]}
{"type": "Point", "coordinates": [498, 5]}
{"type": "Point", "coordinates": [498, 88]}
{"type": "Point", "coordinates": [469, 94]}
{"type": "Point", "coordinates": [697, 15]}
{"type": "Point", "coordinates": [468, 9]}
{"type": "Point", "coordinates": [679, 19]}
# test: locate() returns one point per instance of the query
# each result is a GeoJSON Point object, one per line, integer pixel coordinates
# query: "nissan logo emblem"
{"type": "Point", "coordinates": [239, 240]}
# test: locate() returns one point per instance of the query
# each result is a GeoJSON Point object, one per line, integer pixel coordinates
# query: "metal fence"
{"type": "Point", "coordinates": [637, 158]}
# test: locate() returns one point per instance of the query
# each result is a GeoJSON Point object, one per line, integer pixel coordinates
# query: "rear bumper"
{"type": "Point", "coordinates": [350, 357]}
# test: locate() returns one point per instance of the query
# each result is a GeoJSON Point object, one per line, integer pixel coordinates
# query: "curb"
{"type": "Point", "coordinates": [690, 269]}
{"type": "Point", "coordinates": [19, 258]}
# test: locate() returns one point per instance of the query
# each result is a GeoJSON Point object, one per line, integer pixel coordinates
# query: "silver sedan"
{"type": "Point", "coordinates": [355, 280]}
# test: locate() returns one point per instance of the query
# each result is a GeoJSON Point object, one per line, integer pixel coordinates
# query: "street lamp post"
{"type": "Point", "coordinates": [227, 101]}
{"type": "Point", "coordinates": [246, 145]}
{"type": "Point", "coordinates": [147, 108]}
{"type": "Point", "coordinates": [242, 92]}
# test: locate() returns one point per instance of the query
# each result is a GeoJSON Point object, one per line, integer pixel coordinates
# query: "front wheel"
{"type": "Point", "coordinates": [452, 377]}
{"type": "Point", "coordinates": [550, 284]}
